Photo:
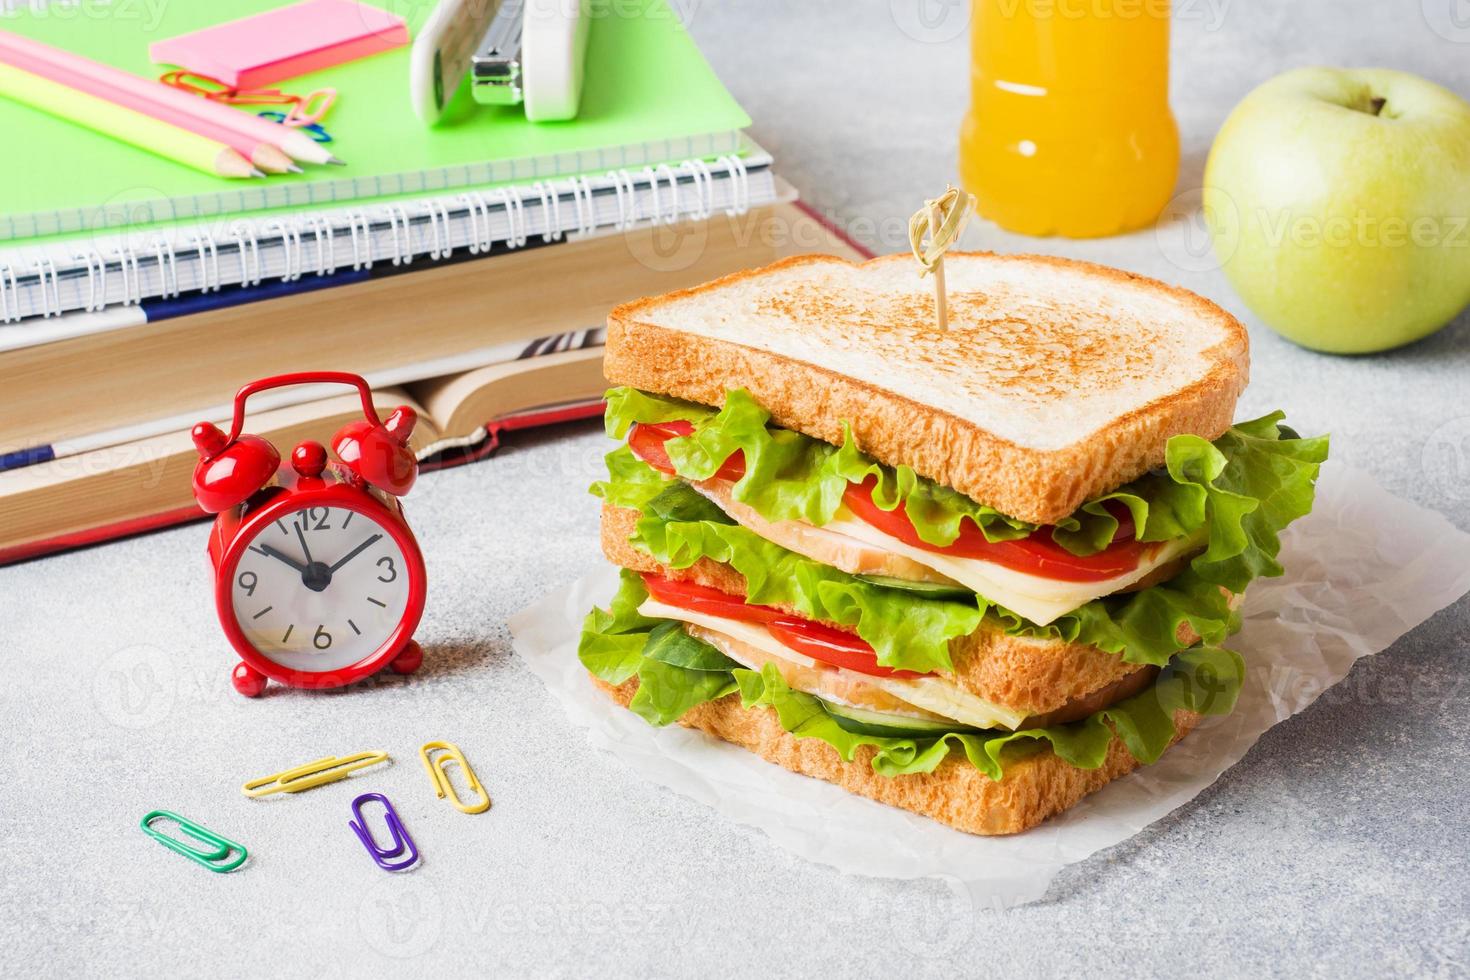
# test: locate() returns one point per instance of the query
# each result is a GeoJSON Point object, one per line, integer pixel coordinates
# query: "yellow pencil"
{"type": "Point", "coordinates": [110, 119]}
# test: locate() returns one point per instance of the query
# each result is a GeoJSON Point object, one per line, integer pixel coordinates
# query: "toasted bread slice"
{"type": "Point", "coordinates": [1035, 677]}
{"type": "Point", "coordinates": [1034, 788]}
{"type": "Point", "coordinates": [1056, 381]}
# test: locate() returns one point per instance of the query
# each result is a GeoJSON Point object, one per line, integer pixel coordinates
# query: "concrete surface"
{"type": "Point", "coordinates": [1339, 846]}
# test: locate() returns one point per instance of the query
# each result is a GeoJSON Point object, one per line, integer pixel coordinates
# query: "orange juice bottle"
{"type": "Point", "coordinates": [1069, 130]}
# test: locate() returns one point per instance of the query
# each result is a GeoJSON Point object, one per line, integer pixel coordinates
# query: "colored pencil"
{"type": "Point", "coordinates": [110, 119]}
{"type": "Point", "coordinates": [265, 156]}
{"type": "Point", "coordinates": [169, 104]}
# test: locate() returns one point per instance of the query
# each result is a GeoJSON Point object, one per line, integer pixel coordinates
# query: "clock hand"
{"type": "Point", "coordinates": [355, 552]}
{"type": "Point", "coordinates": [301, 536]}
{"type": "Point", "coordinates": [281, 556]}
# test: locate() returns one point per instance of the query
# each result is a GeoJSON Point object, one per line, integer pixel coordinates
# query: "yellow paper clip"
{"type": "Point", "coordinates": [312, 774]}
{"type": "Point", "coordinates": [439, 776]}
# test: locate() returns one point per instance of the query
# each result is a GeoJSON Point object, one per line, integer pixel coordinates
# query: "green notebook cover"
{"type": "Point", "coordinates": [649, 97]}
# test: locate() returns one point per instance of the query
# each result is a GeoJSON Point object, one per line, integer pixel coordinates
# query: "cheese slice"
{"type": "Point", "coordinates": [1040, 600]}
{"type": "Point", "coordinates": [932, 694]}
{"type": "Point", "coordinates": [853, 545]}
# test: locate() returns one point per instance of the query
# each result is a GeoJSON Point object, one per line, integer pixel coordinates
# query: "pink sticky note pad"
{"type": "Point", "coordinates": [253, 52]}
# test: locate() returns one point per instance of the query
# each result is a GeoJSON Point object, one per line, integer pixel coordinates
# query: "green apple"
{"type": "Point", "coordinates": [1338, 202]}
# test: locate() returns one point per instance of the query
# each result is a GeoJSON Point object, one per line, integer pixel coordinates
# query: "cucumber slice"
{"type": "Point", "coordinates": [860, 721]}
{"type": "Point", "coordinates": [933, 590]}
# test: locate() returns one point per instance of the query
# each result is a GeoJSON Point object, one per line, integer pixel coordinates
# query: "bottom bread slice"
{"type": "Point", "coordinates": [1034, 788]}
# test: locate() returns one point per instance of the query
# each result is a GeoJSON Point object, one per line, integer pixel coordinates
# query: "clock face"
{"type": "Point", "coordinates": [320, 588]}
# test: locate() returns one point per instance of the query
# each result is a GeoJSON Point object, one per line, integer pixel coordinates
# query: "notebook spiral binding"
{"type": "Point", "coordinates": [662, 194]}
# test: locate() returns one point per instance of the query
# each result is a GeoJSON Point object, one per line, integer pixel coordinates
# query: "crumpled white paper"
{"type": "Point", "coordinates": [1363, 568]}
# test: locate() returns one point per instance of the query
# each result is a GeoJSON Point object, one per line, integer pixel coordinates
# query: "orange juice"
{"type": "Point", "coordinates": [1069, 130]}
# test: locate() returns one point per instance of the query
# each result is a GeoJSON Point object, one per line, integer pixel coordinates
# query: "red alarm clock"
{"type": "Point", "coordinates": [318, 580]}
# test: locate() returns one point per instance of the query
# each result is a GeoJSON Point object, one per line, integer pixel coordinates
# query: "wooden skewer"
{"type": "Point", "coordinates": [943, 218]}
{"type": "Point", "coordinates": [941, 300]}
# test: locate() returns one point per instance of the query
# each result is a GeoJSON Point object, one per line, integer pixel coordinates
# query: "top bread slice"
{"type": "Point", "coordinates": [1056, 381]}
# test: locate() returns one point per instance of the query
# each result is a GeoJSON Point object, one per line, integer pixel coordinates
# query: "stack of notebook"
{"type": "Point", "coordinates": [464, 268]}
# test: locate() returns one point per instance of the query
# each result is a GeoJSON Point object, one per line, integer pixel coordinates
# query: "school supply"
{"type": "Point", "coordinates": [264, 156]}
{"type": "Point", "coordinates": [145, 132]}
{"type": "Point", "coordinates": [292, 40]}
{"type": "Point", "coordinates": [312, 774]}
{"type": "Point", "coordinates": [47, 279]}
{"type": "Point", "coordinates": [217, 858]}
{"type": "Point", "coordinates": [649, 99]}
{"type": "Point", "coordinates": [442, 52]}
{"type": "Point", "coordinates": [137, 94]}
{"type": "Point", "coordinates": [532, 53]}
{"type": "Point", "coordinates": [438, 770]}
{"type": "Point", "coordinates": [302, 110]}
{"type": "Point", "coordinates": [400, 844]}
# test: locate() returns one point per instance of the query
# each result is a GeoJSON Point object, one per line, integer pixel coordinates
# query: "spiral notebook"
{"type": "Point", "coordinates": [50, 279]}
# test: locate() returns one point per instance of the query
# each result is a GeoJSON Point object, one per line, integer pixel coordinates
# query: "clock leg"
{"type": "Point", "coordinates": [408, 658]}
{"type": "Point", "coordinates": [247, 680]}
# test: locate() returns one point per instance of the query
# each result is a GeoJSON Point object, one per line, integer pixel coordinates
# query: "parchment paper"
{"type": "Point", "coordinates": [1363, 568]}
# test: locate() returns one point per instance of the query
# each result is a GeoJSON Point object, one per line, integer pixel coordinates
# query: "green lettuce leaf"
{"type": "Point", "coordinates": [612, 639]}
{"type": "Point", "coordinates": [1235, 494]}
{"type": "Point", "coordinates": [666, 692]}
{"type": "Point", "coordinates": [906, 632]}
{"type": "Point", "coordinates": [910, 631]}
{"type": "Point", "coordinates": [1243, 488]}
{"type": "Point", "coordinates": [1202, 679]}
{"type": "Point", "coordinates": [630, 482]}
{"type": "Point", "coordinates": [1206, 680]}
{"type": "Point", "coordinates": [669, 644]}
{"type": "Point", "coordinates": [675, 671]}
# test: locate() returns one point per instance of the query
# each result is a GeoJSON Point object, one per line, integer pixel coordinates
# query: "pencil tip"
{"type": "Point", "coordinates": [256, 173]}
{"type": "Point", "coordinates": [295, 169]}
{"type": "Point", "coordinates": [336, 163]}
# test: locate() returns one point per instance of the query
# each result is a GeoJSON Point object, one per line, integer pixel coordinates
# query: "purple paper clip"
{"type": "Point", "coordinates": [402, 843]}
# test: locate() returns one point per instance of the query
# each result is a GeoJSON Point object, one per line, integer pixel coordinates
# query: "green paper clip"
{"type": "Point", "coordinates": [220, 846]}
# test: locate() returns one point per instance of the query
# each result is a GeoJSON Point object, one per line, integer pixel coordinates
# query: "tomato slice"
{"type": "Point", "coordinates": [1034, 555]}
{"type": "Point", "coordinates": [826, 644]}
{"type": "Point", "coordinates": [713, 602]}
{"type": "Point", "coordinates": [833, 647]}
{"type": "Point", "coordinates": [1037, 554]}
{"type": "Point", "coordinates": [647, 442]}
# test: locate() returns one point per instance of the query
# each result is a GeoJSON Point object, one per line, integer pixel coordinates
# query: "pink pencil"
{"type": "Point", "coordinates": [263, 155]}
{"type": "Point", "coordinates": [155, 99]}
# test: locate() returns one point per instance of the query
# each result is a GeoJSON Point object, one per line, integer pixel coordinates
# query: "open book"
{"type": "Point", "coordinates": [146, 483]}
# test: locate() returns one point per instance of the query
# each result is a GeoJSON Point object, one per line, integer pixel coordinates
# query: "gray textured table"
{"type": "Point", "coordinates": [1339, 845]}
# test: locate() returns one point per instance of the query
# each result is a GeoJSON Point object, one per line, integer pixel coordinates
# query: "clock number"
{"type": "Point", "coordinates": [248, 586]}
{"type": "Point", "coordinates": [318, 514]}
{"type": "Point", "coordinates": [321, 639]}
{"type": "Point", "coordinates": [392, 572]}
